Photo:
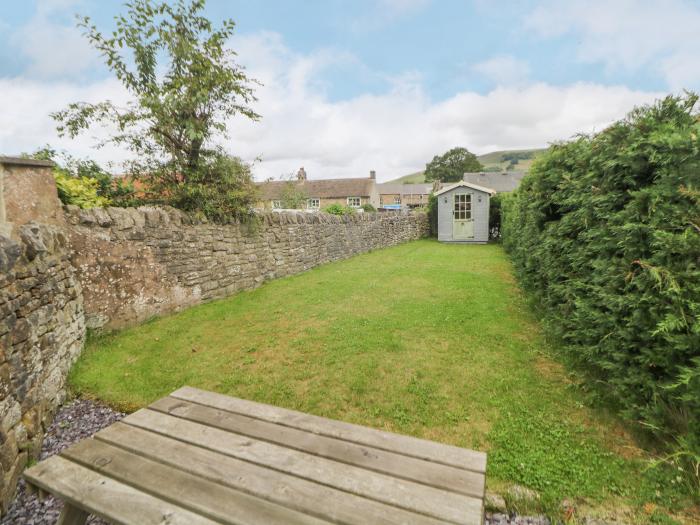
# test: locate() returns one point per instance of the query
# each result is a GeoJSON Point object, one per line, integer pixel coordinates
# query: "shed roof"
{"type": "Point", "coordinates": [502, 182]}
{"type": "Point", "coordinates": [323, 188]}
{"type": "Point", "coordinates": [464, 184]}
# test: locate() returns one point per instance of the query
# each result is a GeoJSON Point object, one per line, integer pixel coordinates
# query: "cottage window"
{"type": "Point", "coordinates": [397, 199]}
{"type": "Point", "coordinates": [313, 204]}
{"type": "Point", "coordinates": [354, 202]}
{"type": "Point", "coordinates": [463, 207]}
{"type": "Point", "coordinates": [277, 205]}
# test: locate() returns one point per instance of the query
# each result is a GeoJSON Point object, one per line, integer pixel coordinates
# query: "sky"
{"type": "Point", "coordinates": [349, 86]}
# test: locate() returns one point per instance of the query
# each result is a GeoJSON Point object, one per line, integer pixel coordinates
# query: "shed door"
{"type": "Point", "coordinates": [462, 221]}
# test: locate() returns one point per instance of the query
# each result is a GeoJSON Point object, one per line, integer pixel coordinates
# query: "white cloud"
{"type": "Point", "coordinates": [395, 132]}
{"type": "Point", "coordinates": [52, 46]}
{"type": "Point", "coordinates": [629, 34]}
{"type": "Point", "coordinates": [26, 104]}
{"type": "Point", "coordinates": [503, 70]}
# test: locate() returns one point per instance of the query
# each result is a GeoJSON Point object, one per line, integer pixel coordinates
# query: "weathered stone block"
{"type": "Point", "coordinates": [10, 251]}
{"type": "Point", "coordinates": [21, 331]}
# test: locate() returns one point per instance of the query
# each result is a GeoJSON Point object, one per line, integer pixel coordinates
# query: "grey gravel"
{"type": "Point", "coordinates": [506, 519]}
{"type": "Point", "coordinates": [76, 420]}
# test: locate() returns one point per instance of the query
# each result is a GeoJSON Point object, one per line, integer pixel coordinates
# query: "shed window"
{"type": "Point", "coordinates": [277, 204]}
{"type": "Point", "coordinates": [313, 203]}
{"type": "Point", "coordinates": [397, 199]}
{"type": "Point", "coordinates": [354, 202]}
{"type": "Point", "coordinates": [463, 207]}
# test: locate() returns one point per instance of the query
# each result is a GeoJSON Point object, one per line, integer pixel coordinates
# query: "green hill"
{"type": "Point", "coordinates": [411, 178]}
{"type": "Point", "coordinates": [520, 159]}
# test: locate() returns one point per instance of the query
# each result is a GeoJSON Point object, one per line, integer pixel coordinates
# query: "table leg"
{"type": "Point", "coordinates": [71, 515]}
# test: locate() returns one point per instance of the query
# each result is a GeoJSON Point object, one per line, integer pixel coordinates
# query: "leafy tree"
{"type": "Point", "coordinates": [185, 85]}
{"type": "Point", "coordinates": [451, 166]}
{"type": "Point", "coordinates": [293, 197]}
{"type": "Point", "coordinates": [222, 190]}
{"type": "Point", "coordinates": [516, 156]}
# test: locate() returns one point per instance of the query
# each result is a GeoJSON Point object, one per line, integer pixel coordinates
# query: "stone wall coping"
{"type": "Point", "coordinates": [19, 161]}
{"type": "Point", "coordinates": [160, 215]}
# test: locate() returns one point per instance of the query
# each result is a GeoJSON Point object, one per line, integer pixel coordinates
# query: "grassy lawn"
{"type": "Point", "coordinates": [425, 339]}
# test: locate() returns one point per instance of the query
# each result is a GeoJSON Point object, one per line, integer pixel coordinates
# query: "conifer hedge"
{"type": "Point", "coordinates": [604, 233]}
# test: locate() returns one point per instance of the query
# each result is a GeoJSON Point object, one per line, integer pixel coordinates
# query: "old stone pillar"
{"type": "Point", "coordinates": [27, 194]}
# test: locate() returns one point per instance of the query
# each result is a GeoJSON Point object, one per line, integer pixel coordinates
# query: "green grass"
{"type": "Point", "coordinates": [425, 339]}
{"type": "Point", "coordinates": [411, 178]}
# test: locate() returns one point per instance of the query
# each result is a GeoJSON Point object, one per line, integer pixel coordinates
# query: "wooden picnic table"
{"type": "Point", "coordinates": [196, 457]}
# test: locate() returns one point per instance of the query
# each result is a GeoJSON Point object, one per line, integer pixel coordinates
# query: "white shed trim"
{"type": "Point", "coordinates": [464, 184]}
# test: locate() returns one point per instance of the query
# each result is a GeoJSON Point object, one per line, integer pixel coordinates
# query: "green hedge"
{"type": "Point", "coordinates": [604, 233]}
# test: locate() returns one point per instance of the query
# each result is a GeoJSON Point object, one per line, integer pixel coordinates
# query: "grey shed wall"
{"type": "Point", "coordinates": [480, 213]}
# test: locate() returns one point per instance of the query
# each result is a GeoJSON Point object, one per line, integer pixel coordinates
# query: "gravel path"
{"type": "Point", "coordinates": [505, 519]}
{"type": "Point", "coordinates": [73, 422]}
{"type": "Point", "coordinates": [81, 419]}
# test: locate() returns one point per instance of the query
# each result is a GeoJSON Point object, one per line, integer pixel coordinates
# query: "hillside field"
{"type": "Point", "coordinates": [494, 161]}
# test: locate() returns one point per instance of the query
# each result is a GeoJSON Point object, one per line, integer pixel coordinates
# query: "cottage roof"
{"type": "Point", "coordinates": [322, 188]}
{"type": "Point", "coordinates": [463, 184]}
{"type": "Point", "coordinates": [395, 188]}
{"type": "Point", "coordinates": [502, 182]}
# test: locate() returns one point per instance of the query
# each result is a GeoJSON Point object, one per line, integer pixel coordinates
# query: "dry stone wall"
{"type": "Point", "coordinates": [137, 263]}
{"type": "Point", "coordinates": [42, 331]}
{"type": "Point", "coordinates": [64, 269]}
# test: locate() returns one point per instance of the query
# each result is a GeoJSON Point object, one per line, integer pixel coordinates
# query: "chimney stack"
{"type": "Point", "coordinates": [373, 175]}
{"type": "Point", "coordinates": [301, 174]}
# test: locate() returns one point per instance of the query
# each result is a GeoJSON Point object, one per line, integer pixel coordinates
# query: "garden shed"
{"type": "Point", "coordinates": [463, 213]}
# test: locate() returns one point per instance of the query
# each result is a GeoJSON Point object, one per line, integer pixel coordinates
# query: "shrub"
{"type": "Point", "coordinates": [433, 214]}
{"type": "Point", "coordinates": [339, 209]}
{"type": "Point", "coordinates": [334, 209]}
{"type": "Point", "coordinates": [85, 183]}
{"type": "Point", "coordinates": [495, 215]}
{"type": "Point", "coordinates": [604, 233]}
{"type": "Point", "coordinates": [221, 189]}
{"type": "Point", "coordinates": [80, 191]}
{"type": "Point", "coordinates": [368, 208]}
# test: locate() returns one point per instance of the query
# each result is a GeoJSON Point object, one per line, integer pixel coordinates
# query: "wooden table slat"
{"type": "Point", "coordinates": [429, 473]}
{"type": "Point", "coordinates": [100, 495]}
{"type": "Point", "coordinates": [201, 496]}
{"type": "Point", "coordinates": [199, 458]}
{"type": "Point", "coordinates": [285, 489]}
{"type": "Point", "coordinates": [406, 445]}
{"type": "Point", "coordinates": [405, 494]}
